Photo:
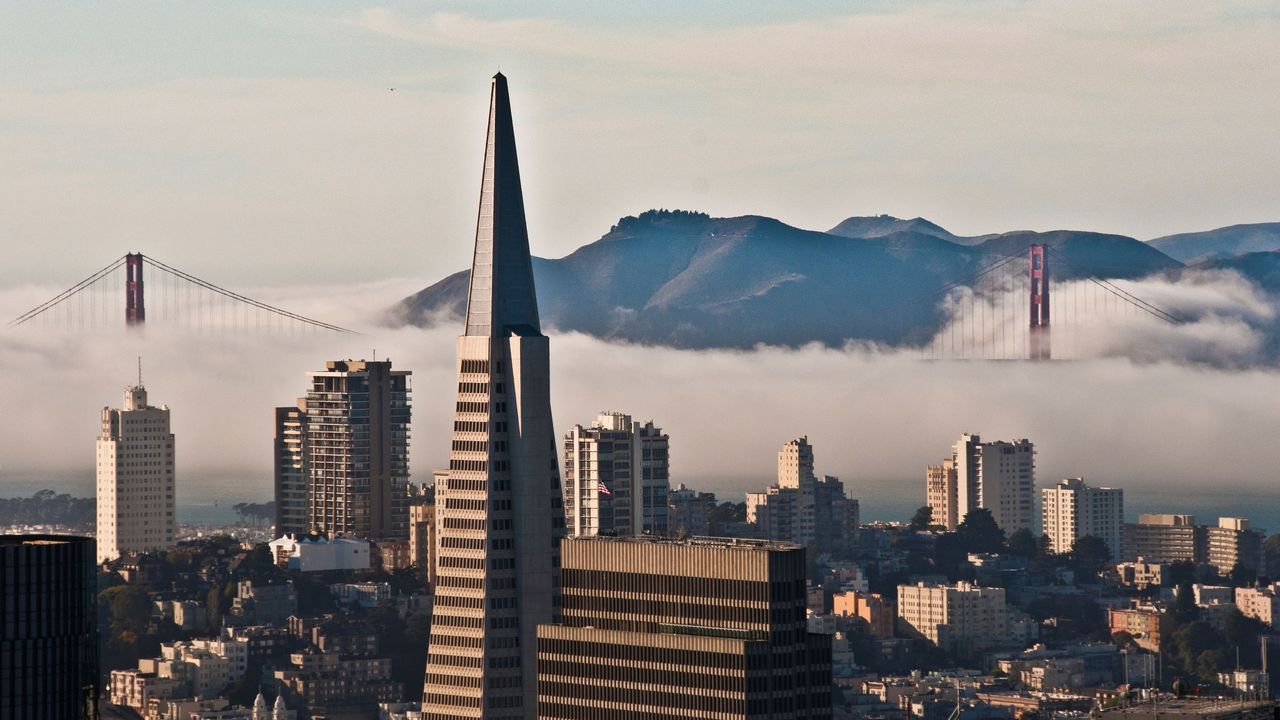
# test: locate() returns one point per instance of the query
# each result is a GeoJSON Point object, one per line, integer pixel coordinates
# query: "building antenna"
{"type": "Point", "coordinates": [139, 371]}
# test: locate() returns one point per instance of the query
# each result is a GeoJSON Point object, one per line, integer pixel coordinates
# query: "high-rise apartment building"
{"type": "Point", "coordinates": [998, 476]}
{"type": "Point", "coordinates": [357, 449]}
{"type": "Point", "coordinates": [689, 511]}
{"type": "Point", "coordinates": [422, 538]}
{"type": "Point", "coordinates": [1072, 509]}
{"type": "Point", "coordinates": [48, 628]}
{"type": "Point", "coordinates": [135, 478]}
{"type": "Point", "coordinates": [290, 465]}
{"type": "Point", "coordinates": [694, 628]}
{"type": "Point", "coordinates": [962, 619]}
{"type": "Point", "coordinates": [802, 509]}
{"type": "Point", "coordinates": [499, 513]}
{"type": "Point", "coordinates": [941, 493]}
{"type": "Point", "coordinates": [1177, 538]}
{"type": "Point", "coordinates": [616, 478]}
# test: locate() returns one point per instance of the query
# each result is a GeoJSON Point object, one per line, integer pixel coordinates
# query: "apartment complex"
{"type": "Point", "coordinates": [499, 512]}
{"type": "Point", "coordinates": [998, 476]}
{"type": "Point", "coordinates": [802, 509]}
{"type": "Point", "coordinates": [357, 449]}
{"type": "Point", "coordinates": [616, 478]}
{"type": "Point", "coordinates": [963, 619]}
{"type": "Point", "coordinates": [1259, 603]}
{"type": "Point", "coordinates": [1177, 538]}
{"type": "Point", "coordinates": [135, 478]}
{"type": "Point", "coordinates": [290, 468]}
{"type": "Point", "coordinates": [689, 628]}
{"type": "Point", "coordinates": [875, 610]}
{"type": "Point", "coordinates": [689, 511]}
{"type": "Point", "coordinates": [1072, 509]}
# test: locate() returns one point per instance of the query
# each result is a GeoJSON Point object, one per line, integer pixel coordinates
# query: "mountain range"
{"type": "Point", "coordinates": [685, 279]}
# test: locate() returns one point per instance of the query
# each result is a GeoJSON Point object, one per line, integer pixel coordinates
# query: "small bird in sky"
{"type": "Point", "coordinates": [392, 89]}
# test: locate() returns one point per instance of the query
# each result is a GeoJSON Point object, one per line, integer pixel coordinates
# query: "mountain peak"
{"type": "Point", "coordinates": [872, 226]}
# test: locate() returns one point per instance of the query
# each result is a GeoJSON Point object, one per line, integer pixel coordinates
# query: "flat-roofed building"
{"type": "Point", "coordinates": [701, 628]}
{"type": "Point", "coordinates": [1073, 509]}
{"type": "Point", "coordinates": [963, 619]}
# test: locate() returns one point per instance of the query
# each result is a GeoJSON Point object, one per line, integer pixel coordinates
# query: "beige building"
{"type": "Point", "coordinates": [1233, 543]}
{"type": "Point", "coordinates": [1140, 573]}
{"type": "Point", "coordinates": [616, 477]}
{"type": "Point", "coordinates": [876, 610]}
{"type": "Point", "coordinates": [942, 494]}
{"type": "Point", "coordinates": [135, 478]}
{"type": "Point", "coordinates": [1148, 625]}
{"type": "Point", "coordinates": [802, 509]}
{"type": "Point", "coordinates": [998, 476]}
{"type": "Point", "coordinates": [1259, 603]}
{"type": "Point", "coordinates": [1072, 509]}
{"type": "Point", "coordinates": [962, 619]}
{"type": "Point", "coordinates": [1177, 538]}
{"type": "Point", "coordinates": [422, 539]}
{"type": "Point", "coordinates": [676, 629]}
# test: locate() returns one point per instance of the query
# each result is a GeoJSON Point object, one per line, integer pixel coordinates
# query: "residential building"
{"type": "Point", "coordinates": [1177, 538]}
{"type": "Point", "coordinates": [1233, 544]}
{"type": "Point", "coordinates": [1259, 603]}
{"type": "Point", "coordinates": [942, 494]}
{"type": "Point", "coordinates": [683, 628]}
{"type": "Point", "coordinates": [263, 604]}
{"type": "Point", "coordinates": [290, 467]}
{"type": "Point", "coordinates": [135, 470]}
{"type": "Point", "coordinates": [499, 513]}
{"type": "Point", "coordinates": [1149, 625]}
{"type": "Point", "coordinates": [998, 476]}
{"type": "Point", "coordinates": [689, 511]}
{"type": "Point", "coordinates": [800, 508]}
{"type": "Point", "coordinates": [963, 619]}
{"type": "Point", "coordinates": [48, 627]}
{"type": "Point", "coordinates": [330, 684]}
{"type": "Point", "coordinates": [616, 478]}
{"type": "Point", "coordinates": [1072, 510]}
{"type": "Point", "coordinates": [357, 450]}
{"type": "Point", "coordinates": [1140, 573]}
{"type": "Point", "coordinates": [1164, 539]}
{"type": "Point", "coordinates": [875, 610]}
{"type": "Point", "coordinates": [422, 539]}
{"type": "Point", "coordinates": [317, 553]}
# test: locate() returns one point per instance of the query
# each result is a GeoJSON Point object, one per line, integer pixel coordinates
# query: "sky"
{"type": "Point", "coordinates": [261, 144]}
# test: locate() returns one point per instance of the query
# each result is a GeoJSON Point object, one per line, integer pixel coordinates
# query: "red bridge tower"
{"type": "Point", "coordinates": [1039, 345]}
{"type": "Point", "coordinates": [135, 311]}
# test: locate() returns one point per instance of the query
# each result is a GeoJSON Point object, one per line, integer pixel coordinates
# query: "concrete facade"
{"type": "Point", "coordinates": [1072, 509]}
{"type": "Point", "coordinates": [962, 619]}
{"type": "Point", "coordinates": [135, 478]}
{"type": "Point", "coordinates": [616, 478]}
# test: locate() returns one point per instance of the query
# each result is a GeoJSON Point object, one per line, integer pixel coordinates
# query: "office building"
{"type": "Point", "coordinates": [802, 509]}
{"type": "Point", "coordinates": [962, 619]}
{"type": "Point", "coordinates": [290, 466]}
{"type": "Point", "coordinates": [616, 478]}
{"type": "Point", "coordinates": [135, 511]}
{"type": "Point", "coordinates": [942, 494]}
{"type": "Point", "coordinates": [682, 628]}
{"type": "Point", "coordinates": [499, 513]}
{"type": "Point", "coordinates": [998, 476]}
{"type": "Point", "coordinates": [1071, 510]}
{"type": "Point", "coordinates": [357, 450]}
{"type": "Point", "coordinates": [48, 628]}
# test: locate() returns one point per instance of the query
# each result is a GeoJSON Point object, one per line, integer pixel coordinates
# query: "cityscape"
{"type": "Point", "coordinates": [1053, 493]}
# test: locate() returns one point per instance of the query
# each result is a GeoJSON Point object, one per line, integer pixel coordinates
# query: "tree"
{"type": "Point", "coordinates": [1090, 554]}
{"type": "Point", "coordinates": [979, 533]}
{"type": "Point", "coordinates": [1023, 542]}
{"type": "Point", "coordinates": [921, 520]}
{"type": "Point", "coordinates": [1271, 556]}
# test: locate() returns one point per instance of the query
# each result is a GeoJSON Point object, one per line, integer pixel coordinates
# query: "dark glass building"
{"type": "Point", "coordinates": [48, 628]}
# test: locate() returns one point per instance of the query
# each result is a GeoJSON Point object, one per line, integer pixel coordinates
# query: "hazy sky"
{"type": "Point", "coordinates": [260, 144]}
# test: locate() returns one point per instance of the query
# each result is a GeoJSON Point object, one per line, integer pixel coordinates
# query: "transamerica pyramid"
{"type": "Point", "coordinates": [499, 515]}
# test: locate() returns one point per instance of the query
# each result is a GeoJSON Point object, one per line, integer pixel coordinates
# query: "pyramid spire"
{"type": "Point", "coordinates": [501, 299]}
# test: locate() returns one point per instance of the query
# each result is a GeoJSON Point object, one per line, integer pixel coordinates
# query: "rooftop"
{"type": "Point", "coordinates": [693, 541]}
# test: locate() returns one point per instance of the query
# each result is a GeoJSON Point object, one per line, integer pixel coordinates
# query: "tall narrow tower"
{"type": "Point", "coordinates": [499, 511]}
{"type": "Point", "coordinates": [135, 309]}
{"type": "Point", "coordinates": [1040, 302]}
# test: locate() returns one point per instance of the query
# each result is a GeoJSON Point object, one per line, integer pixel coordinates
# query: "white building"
{"type": "Point", "coordinates": [316, 553]}
{"type": "Point", "coordinates": [999, 476]}
{"type": "Point", "coordinates": [616, 477]}
{"type": "Point", "coordinates": [962, 619]}
{"type": "Point", "coordinates": [135, 478]}
{"type": "Point", "coordinates": [1072, 510]}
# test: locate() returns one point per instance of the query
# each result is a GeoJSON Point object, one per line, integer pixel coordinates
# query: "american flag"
{"type": "Point", "coordinates": [604, 490]}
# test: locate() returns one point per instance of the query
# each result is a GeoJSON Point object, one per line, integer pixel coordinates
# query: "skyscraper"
{"type": "Point", "coordinates": [135, 478]}
{"type": "Point", "coordinates": [357, 449]}
{"type": "Point", "coordinates": [499, 511]}
{"type": "Point", "coordinates": [694, 628]}
{"type": "Point", "coordinates": [999, 476]}
{"type": "Point", "coordinates": [291, 468]}
{"type": "Point", "coordinates": [48, 628]}
{"type": "Point", "coordinates": [616, 478]}
{"type": "Point", "coordinates": [1072, 510]}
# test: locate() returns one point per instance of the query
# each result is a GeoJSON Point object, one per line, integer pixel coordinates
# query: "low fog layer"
{"type": "Point", "coordinates": [1155, 405]}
